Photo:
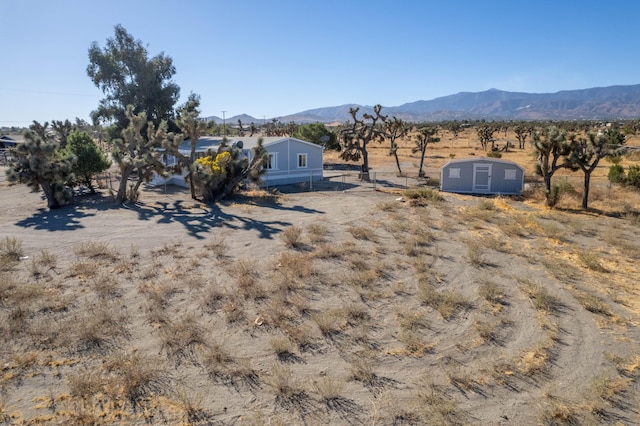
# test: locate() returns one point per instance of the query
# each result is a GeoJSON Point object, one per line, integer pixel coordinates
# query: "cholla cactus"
{"type": "Point", "coordinates": [38, 165]}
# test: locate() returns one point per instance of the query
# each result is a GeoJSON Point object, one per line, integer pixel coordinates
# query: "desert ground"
{"type": "Point", "coordinates": [342, 305]}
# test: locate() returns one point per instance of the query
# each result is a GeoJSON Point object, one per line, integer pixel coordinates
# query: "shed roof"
{"type": "Point", "coordinates": [487, 159]}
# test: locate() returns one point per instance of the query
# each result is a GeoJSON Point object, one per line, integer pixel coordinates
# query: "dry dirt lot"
{"type": "Point", "coordinates": [326, 307]}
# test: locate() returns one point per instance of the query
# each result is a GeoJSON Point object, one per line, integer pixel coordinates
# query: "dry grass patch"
{"type": "Point", "coordinates": [541, 299]}
{"type": "Point", "coordinates": [181, 339]}
{"type": "Point", "coordinates": [490, 292]}
{"type": "Point", "coordinates": [424, 194]}
{"type": "Point", "coordinates": [11, 249]}
{"type": "Point", "coordinates": [330, 322]}
{"type": "Point", "coordinates": [591, 261]}
{"type": "Point", "coordinates": [363, 233]}
{"type": "Point", "coordinates": [102, 329]}
{"type": "Point", "coordinates": [415, 344]}
{"type": "Point", "coordinates": [292, 237]}
{"type": "Point", "coordinates": [446, 302]}
{"type": "Point", "coordinates": [284, 349]}
{"type": "Point", "coordinates": [96, 250]}
{"type": "Point", "coordinates": [317, 232]}
{"type": "Point", "coordinates": [218, 246]}
{"type": "Point", "coordinates": [536, 360]}
{"type": "Point", "coordinates": [290, 393]}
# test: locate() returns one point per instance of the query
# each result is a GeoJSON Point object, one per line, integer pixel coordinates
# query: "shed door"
{"type": "Point", "coordinates": [481, 177]}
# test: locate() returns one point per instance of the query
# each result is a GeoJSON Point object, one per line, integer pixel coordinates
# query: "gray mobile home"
{"type": "Point", "coordinates": [482, 176]}
{"type": "Point", "coordinates": [290, 160]}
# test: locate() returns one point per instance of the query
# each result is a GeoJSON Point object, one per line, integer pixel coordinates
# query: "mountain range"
{"type": "Point", "coordinates": [613, 102]}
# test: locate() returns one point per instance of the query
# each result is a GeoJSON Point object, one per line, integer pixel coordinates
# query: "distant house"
{"type": "Point", "coordinates": [482, 176]}
{"type": "Point", "coordinates": [290, 160]}
{"type": "Point", "coordinates": [8, 141]}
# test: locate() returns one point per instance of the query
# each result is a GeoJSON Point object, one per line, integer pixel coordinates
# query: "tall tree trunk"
{"type": "Point", "coordinates": [395, 154]}
{"type": "Point", "coordinates": [192, 186]}
{"type": "Point", "coordinates": [547, 188]}
{"type": "Point", "coordinates": [365, 163]}
{"type": "Point", "coordinates": [121, 196]}
{"type": "Point", "coordinates": [52, 203]}
{"type": "Point", "coordinates": [423, 151]}
{"type": "Point", "coordinates": [585, 194]}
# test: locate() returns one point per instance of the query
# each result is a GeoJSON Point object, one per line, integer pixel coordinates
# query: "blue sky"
{"type": "Point", "coordinates": [278, 57]}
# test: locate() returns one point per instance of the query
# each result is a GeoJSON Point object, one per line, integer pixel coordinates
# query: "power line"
{"type": "Point", "coordinates": [44, 92]}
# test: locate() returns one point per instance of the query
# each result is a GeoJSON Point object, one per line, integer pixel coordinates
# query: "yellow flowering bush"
{"type": "Point", "coordinates": [216, 166]}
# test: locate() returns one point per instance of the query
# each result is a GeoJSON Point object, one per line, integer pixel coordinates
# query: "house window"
{"type": "Point", "coordinates": [454, 173]}
{"type": "Point", "coordinates": [510, 174]}
{"type": "Point", "coordinates": [302, 161]}
{"type": "Point", "coordinates": [272, 162]}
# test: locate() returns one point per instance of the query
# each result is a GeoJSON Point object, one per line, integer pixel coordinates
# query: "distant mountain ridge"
{"type": "Point", "coordinates": [613, 102]}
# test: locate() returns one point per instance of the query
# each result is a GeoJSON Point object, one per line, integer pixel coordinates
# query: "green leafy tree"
{"type": "Point", "coordinates": [221, 173]}
{"type": "Point", "coordinates": [140, 153]}
{"type": "Point", "coordinates": [395, 129]}
{"type": "Point", "coordinates": [192, 127]}
{"type": "Point", "coordinates": [587, 152]}
{"type": "Point", "coordinates": [426, 135]}
{"type": "Point", "coordinates": [357, 135]}
{"type": "Point", "coordinates": [319, 134]}
{"type": "Point", "coordinates": [551, 148]}
{"type": "Point", "coordinates": [127, 76]}
{"type": "Point", "coordinates": [90, 159]}
{"type": "Point", "coordinates": [37, 164]}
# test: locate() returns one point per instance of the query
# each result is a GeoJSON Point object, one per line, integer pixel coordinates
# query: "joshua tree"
{"type": "Point", "coordinates": [427, 135]}
{"type": "Point", "coordinates": [587, 152]}
{"type": "Point", "coordinates": [552, 149]}
{"type": "Point", "coordinates": [358, 134]}
{"type": "Point", "coordinates": [192, 127]}
{"type": "Point", "coordinates": [37, 164]}
{"type": "Point", "coordinates": [522, 131]}
{"type": "Point", "coordinates": [485, 135]}
{"type": "Point", "coordinates": [140, 153]}
{"type": "Point", "coordinates": [395, 129]}
{"type": "Point", "coordinates": [62, 129]}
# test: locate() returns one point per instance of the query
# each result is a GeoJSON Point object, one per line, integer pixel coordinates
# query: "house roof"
{"type": "Point", "coordinates": [213, 142]}
{"type": "Point", "coordinates": [486, 159]}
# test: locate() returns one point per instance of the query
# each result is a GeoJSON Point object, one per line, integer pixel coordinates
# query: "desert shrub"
{"type": "Point", "coordinates": [182, 338]}
{"type": "Point", "coordinates": [422, 193]}
{"type": "Point", "coordinates": [362, 233]}
{"type": "Point", "coordinates": [633, 176]}
{"type": "Point", "coordinates": [616, 174]}
{"type": "Point", "coordinates": [494, 154]}
{"type": "Point", "coordinates": [446, 302]}
{"type": "Point", "coordinates": [289, 391]}
{"type": "Point", "coordinates": [540, 297]}
{"type": "Point", "coordinates": [559, 190]}
{"type": "Point", "coordinates": [292, 236]}
{"type": "Point", "coordinates": [11, 249]}
{"type": "Point", "coordinates": [491, 293]}
{"type": "Point", "coordinates": [96, 250]}
{"type": "Point", "coordinates": [136, 378]}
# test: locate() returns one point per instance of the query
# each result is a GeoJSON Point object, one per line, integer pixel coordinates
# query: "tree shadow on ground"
{"type": "Point", "coordinates": [199, 222]}
{"type": "Point", "coordinates": [66, 218]}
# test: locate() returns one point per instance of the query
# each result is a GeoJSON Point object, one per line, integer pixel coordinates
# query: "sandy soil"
{"type": "Point", "coordinates": [453, 311]}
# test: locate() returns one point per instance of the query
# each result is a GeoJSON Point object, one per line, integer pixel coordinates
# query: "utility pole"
{"type": "Point", "coordinates": [224, 124]}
